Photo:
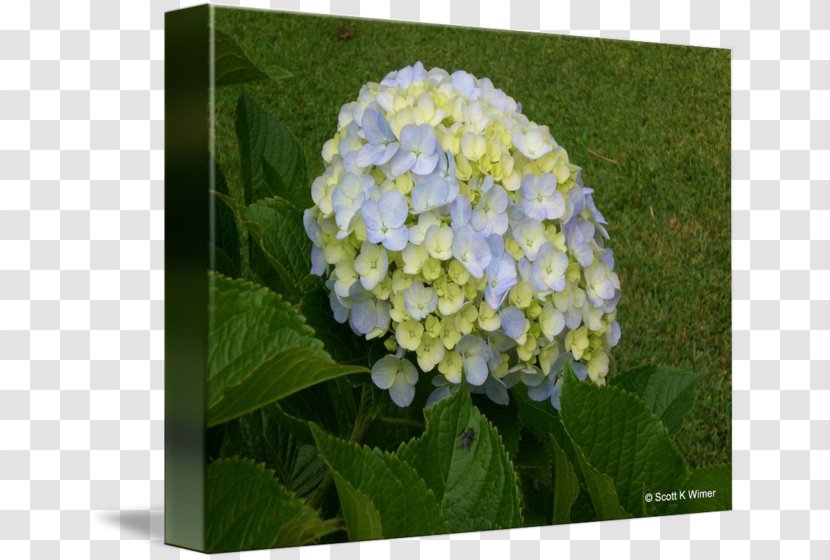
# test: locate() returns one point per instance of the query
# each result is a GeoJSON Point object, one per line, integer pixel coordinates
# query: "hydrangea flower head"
{"type": "Point", "coordinates": [454, 228]}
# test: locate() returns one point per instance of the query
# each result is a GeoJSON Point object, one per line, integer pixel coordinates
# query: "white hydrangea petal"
{"type": "Point", "coordinates": [385, 372]}
{"type": "Point", "coordinates": [401, 392]}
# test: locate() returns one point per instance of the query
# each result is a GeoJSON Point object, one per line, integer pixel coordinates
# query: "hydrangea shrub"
{"type": "Point", "coordinates": [457, 230]}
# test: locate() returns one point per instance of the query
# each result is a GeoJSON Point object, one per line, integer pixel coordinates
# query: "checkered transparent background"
{"type": "Point", "coordinates": [81, 278]}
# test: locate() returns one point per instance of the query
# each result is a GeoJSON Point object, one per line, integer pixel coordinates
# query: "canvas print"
{"type": "Point", "coordinates": [426, 280]}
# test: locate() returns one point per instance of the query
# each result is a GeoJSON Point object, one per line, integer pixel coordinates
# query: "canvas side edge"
{"type": "Point", "coordinates": [187, 219]}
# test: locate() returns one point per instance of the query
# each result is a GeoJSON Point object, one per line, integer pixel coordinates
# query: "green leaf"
{"type": "Point", "coordinates": [381, 496]}
{"type": "Point", "coordinates": [363, 521]}
{"type": "Point", "coordinates": [565, 484]}
{"type": "Point", "coordinates": [601, 490]}
{"type": "Point", "coordinates": [542, 420]}
{"type": "Point", "coordinates": [621, 438]}
{"type": "Point", "coordinates": [462, 459]}
{"type": "Point", "coordinates": [223, 245]}
{"type": "Point", "coordinates": [247, 508]}
{"type": "Point", "coordinates": [330, 404]}
{"type": "Point", "coordinates": [277, 226]}
{"type": "Point", "coordinates": [232, 66]}
{"type": "Point", "coordinates": [282, 442]}
{"type": "Point", "coordinates": [273, 163]}
{"type": "Point", "coordinates": [260, 350]}
{"type": "Point", "coordinates": [668, 392]}
{"type": "Point", "coordinates": [506, 420]}
{"type": "Point", "coordinates": [698, 483]}
{"type": "Point", "coordinates": [286, 372]}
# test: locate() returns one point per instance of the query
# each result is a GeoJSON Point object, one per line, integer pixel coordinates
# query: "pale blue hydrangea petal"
{"type": "Point", "coordinates": [475, 370]}
{"type": "Point", "coordinates": [490, 216]}
{"type": "Point", "coordinates": [511, 379]}
{"type": "Point", "coordinates": [576, 196]}
{"type": "Point", "coordinates": [408, 372]}
{"type": "Point", "coordinates": [540, 392]}
{"type": "Point", "coordinates": [530, 235]}
{"type": "Point", "coordinates": [312, 228]}
{"type": "Point", "coordinates": [437, 394]}
{"type": "Point", "coordinates": [350, 163]}
{"type": "Point", "coordinates": [496, 245]}
{"type": "Point", "coordinates": [501, 277]}
{"type": "Point", "coordinates": [383, 315]}
{"type": "Point", "coordinates": [474, 352]}
{"type": "Point", "coordinates": [573, 318]}
{"type": "Point", "coordinates": [429, 193]}
{"type": "Point", "coordinates": [318, 261]}
{"type": "Point", "coordinates": [446, 167]}
{"type": "Point", "coordinates": [592, 207]}
{"type": "Point", "coordinates": [515, 214]}
{"type": "Point", "coordinates": [496, 391]}
{"type": "Point", "coordinates": [384, 220]}
{"type": "Point", "coordinates": [549, 269]}
{"type": "Point", "coordinates": [396, 239]}
{"type": "Point", "coordinates": [500, 342]}
{"type": "Point", "coordinates": [530, 376]}
{"type": "Point", "coordinates": [465, 83]}
{"type": "Point", "coordinates": [363, 318]}
{"type": "Point", "coordinates": [418, 146]}
{"type": "Point", "coordinates": [525, 270]}
{"type": "Point", "coordinates": [393, 208]}
{"type": "Point", "coordinates": [471, 251]}
{"type": "Point", "coordinates": [580, 371]}
{"type": "Point", "coordinates": [385, 371]}
{"type": "Point", "coordinates": [612, 335]}
{"type": "Point", "coordinates": [609, 306]}
{"type": "Point", "coordinates": [607, 258]}
{"type": "Point", "coordinates": [555, 393]}
{"type": "Point", "coordinates": [341, 312]}
{"type": "Point", "coordinates": [373, 220]}
{"type": "Point", "coordinates": [540, 199]}
{"type": "Point", "coordinates": [558, 365]}
{"type": "Point", "coordinates": [512, 321]}
{"type": "Point", "coordinates": [404, 77]}
{"type": "Point", "coordinates": [376, 128]}
{"type": "Point", "coordinates": [347, 199]}
{"type": "Point", "coordinates": [374, 154]}
{"type": "Point", "coordinates": [425, 164]}
{"type": "Point", "coordinates": [410, 138]}
{"type": "Point", "coordinates": [402, 162]}
{"type": "Point", "coordinates": [578, 235]}
{"type": "Point", "coordinates": [460, 211]}
{"type": "Point", "coordinates": [401, 392]}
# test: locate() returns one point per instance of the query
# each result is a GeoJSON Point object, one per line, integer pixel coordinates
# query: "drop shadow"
{"type": "Point", "coordinates": [138, 524]}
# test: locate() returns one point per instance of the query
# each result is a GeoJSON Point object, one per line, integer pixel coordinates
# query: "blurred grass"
{"type": "Point", "coordinates": [649, 124]}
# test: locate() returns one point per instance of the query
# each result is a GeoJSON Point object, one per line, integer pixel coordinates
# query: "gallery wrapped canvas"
{"type": "Point", "coordinates": [424, 280]}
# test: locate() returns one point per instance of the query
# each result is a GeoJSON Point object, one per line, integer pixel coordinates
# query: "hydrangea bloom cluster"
{"type": "Point", "coordinates": [455, 228]}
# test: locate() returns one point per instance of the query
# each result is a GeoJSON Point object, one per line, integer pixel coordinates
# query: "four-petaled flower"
{"type": "Point", "coordinates": [399, 376]}
{"type": "Point", "coordinates": [541, 199]}
{"type": "Point", "coordinates": [418, 151]}
{"type": "Point", "coordinates": [385, 220]}
{"type": "Point", "coordinates": [381, 141]}
{"type": "Point", "coordinates": [420, 300]}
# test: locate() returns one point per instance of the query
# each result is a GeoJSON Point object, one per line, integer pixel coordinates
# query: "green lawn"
{"type": "Point", "coordinates": [649, 124]}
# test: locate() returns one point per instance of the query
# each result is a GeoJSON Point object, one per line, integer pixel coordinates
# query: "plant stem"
{"type": "Point", "coordinates": [401, 422]}
{"type": "Point", "coordinates": [361, 426]}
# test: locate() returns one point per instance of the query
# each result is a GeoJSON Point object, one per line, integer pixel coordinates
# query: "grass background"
{"type": "Point", "coordinates": [648, 123]}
